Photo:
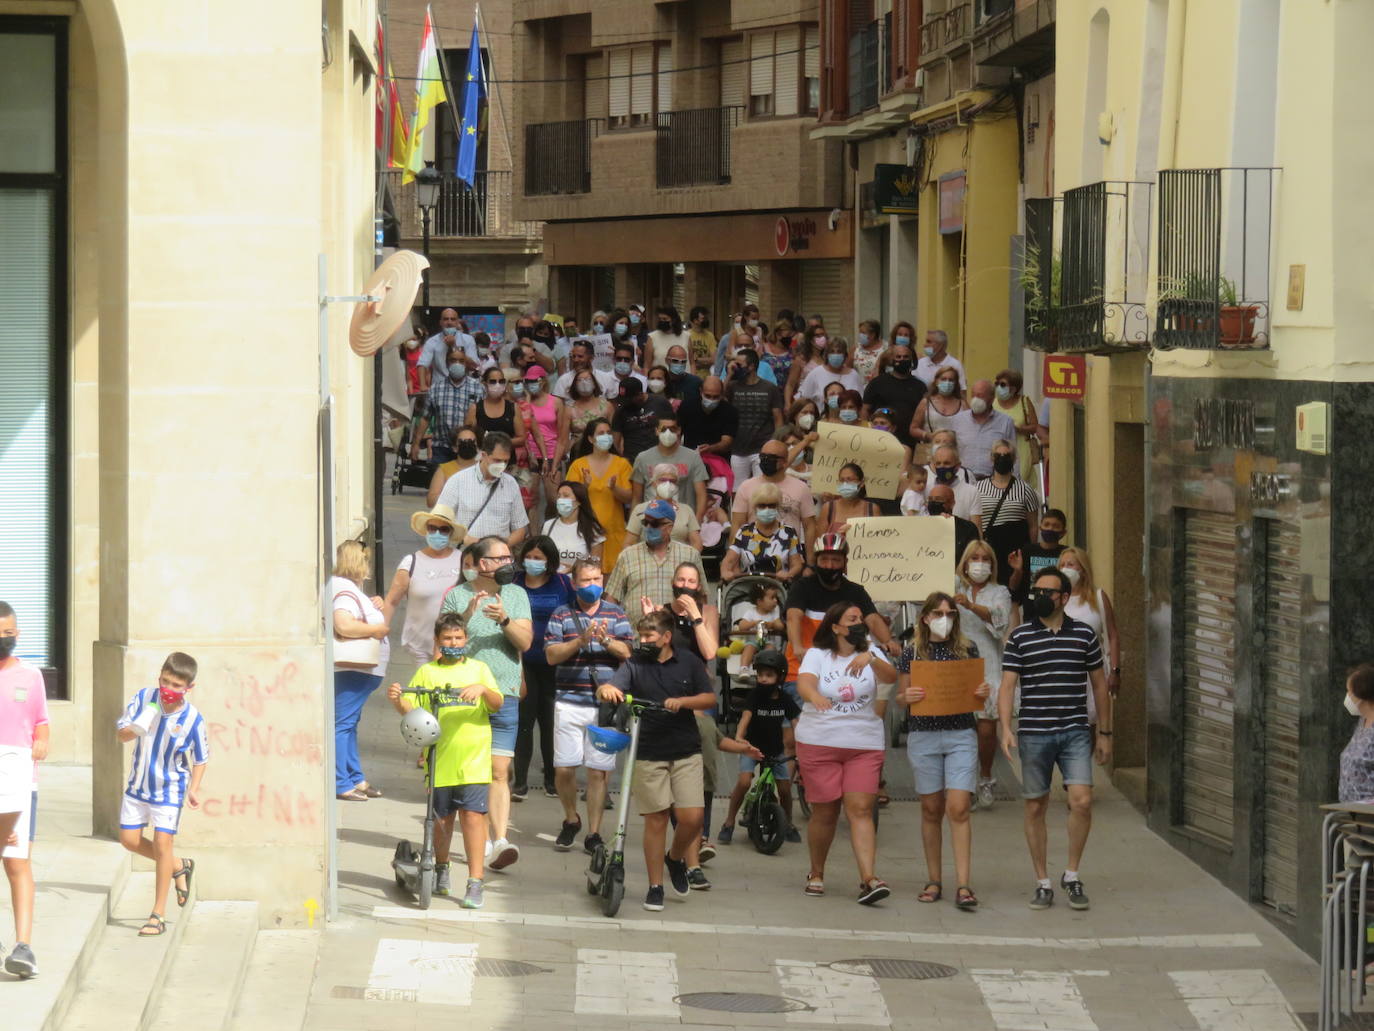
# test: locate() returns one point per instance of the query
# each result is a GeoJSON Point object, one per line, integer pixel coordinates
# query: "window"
{"type": "Point", "coordinates": [732, 71]}
{"type": "Point", "coordinates": [811, 69]}
{"type": "Point", "coordinates": [784, 71]}
{"type": "Point", "coordinates": [635, 71]}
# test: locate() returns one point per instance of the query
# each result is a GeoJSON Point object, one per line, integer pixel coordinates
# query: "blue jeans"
{"type": "Point", "coordinates": [944, 760]}
{"type": "Point", "coordinates": [1070, 750]}
{"type": "Point", "coordinates": [351, 688]}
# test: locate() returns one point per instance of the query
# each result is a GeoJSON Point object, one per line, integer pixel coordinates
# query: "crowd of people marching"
{"type": "Point", "coordinates": [589, 506]}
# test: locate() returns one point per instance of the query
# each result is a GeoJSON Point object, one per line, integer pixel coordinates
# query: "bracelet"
{"type": "Point", "coordinates": [1104, 733]}
{"type": "Point", "coordinates": [1116, 670]}
{"type": "Point", "coordinates": [504, 623]}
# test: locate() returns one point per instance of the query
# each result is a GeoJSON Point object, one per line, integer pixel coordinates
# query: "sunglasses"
{"type": "Point", "coordinates": [1002, 383]}
{"type": "Point", "coordinates": [438, 528]}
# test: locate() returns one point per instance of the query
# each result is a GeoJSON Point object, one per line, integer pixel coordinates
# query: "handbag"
{"type": "Point", "coordinates": [1037, 451]}
{"type": "Point", "coordinates": [360, 653]}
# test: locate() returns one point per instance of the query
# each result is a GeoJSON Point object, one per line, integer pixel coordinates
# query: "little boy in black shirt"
{"type": "Point", "coordinates": [765, 725]}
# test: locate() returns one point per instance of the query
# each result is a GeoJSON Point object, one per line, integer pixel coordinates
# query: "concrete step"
{"type": "Point", "coordinates": [118, 988]}
{"type": "Point", "coordinates": [276, 989]}
{"type": "Point", "coordinates": [214, 951]}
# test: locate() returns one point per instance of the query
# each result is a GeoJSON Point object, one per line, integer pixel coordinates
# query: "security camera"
{"type": "Point", "coordinates": [834, 219]}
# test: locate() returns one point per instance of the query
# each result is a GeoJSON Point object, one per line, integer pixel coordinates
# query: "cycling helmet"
{"type": "Point", "coordinates": [419, 728]}
{"type": "Point", "coordinates": [832, 542]}
{"type": "Point", "coordinates": [608, 740]}
{"type": "Point", "coordinates": [771, 658]}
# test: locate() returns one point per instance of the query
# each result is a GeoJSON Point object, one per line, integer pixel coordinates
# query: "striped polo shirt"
{"type": "Point", "coordinates": [1054, 669]}
{"type": "Point", "coordinates": [164, 756]}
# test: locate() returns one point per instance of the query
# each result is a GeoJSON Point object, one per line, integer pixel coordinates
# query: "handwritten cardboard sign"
{"type": "Point", "coordinates": [603, 351]}
{"type": "Point", "coordinates": [878, 453]}
{"type": "Point", "coordinates": [902, 558]}
{"type": "Point", "coordinates": [949, 686]}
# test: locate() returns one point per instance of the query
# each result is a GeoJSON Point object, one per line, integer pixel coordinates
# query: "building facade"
{"type": "Point", "coordinates": [162, 354]}
{"type": "Point", "coordinates": [666, 149]}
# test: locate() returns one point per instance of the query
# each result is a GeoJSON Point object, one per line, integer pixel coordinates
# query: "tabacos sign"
{"type": "Point", "coordinates": [793, 234]}
{"type": "Point", "coordinates": [1065, 377]}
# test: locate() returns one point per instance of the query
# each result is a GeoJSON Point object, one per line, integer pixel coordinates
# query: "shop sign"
{"type": "Point", "coordinates": [952, 202]}
{"type": "Point", "coordinates": [1065, 377]}
{"type": "Point", "coordinates": [793, 234]}
{"type": "Point", "coordinates": [896, 191]}
{"type": "Point", "coordinates": [1219, 422]}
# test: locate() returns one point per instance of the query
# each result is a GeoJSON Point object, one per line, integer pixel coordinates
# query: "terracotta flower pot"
{"type": "Point", "coordinates": [1238, 324]}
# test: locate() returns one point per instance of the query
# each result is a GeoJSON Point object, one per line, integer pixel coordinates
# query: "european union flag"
{"type": "Point", "coordinates": [473, 87]}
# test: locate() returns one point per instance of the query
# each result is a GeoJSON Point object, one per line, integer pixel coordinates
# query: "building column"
{"type": "Point", "coordinates": [779, 287]}
{"type": "Point", "coordinates": [699, 287]}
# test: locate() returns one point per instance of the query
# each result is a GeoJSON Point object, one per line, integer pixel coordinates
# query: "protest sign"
{"type": "Point", "coordinates": [878, 453]}
{"type": "Point", "coordinates": [901, 558]}
{"type": "Point", "coordinates": [603, 351]}
{"type": "Point", "coordinates": [949, 686]}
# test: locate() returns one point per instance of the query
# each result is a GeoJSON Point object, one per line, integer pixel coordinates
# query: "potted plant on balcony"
{"type": "Point", "coordinates": [1181, 298]}
{"type": "Point", "coordinates": [1237, 323]}
{"type": "Point", "coordinates": [1041, 333]}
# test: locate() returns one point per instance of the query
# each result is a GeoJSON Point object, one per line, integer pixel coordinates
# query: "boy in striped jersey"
{"type": "Point", "coordinates": [169, 762]}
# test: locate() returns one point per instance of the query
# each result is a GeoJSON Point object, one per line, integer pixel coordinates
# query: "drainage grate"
{"type": "Point", "coordinates": [507, 968]}
{"type": "Point", "coordinates": [893, 969]}
{"type": "Point", "coordinates": [741, 1002]}
{"type": "Point", "coordinates": [1356, 1022]}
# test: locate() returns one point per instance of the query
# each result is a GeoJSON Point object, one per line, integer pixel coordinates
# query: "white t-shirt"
{"type": "Point", "coordinates": [607, 381]}
{"type": "Point", "coordinates": [430, 578]}
{"type": "Point", "coordinates": [914, 502]}
{"type": "Point", "coordinates": [926, 370]}
{"type": "Point", "coordinates": [571, 544]}
{"type": "Point", "coordinates": [851, 721]}
{"type": "Point", "coordinates": [349, 596]}
{"type": "Point", "coordinates": [814, 384]}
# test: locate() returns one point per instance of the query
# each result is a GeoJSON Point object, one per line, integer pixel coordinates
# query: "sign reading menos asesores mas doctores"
{"type": "Point", "coordinates": [902, 558]}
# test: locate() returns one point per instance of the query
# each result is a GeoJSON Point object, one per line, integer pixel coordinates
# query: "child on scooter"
{"type": "Point", "coordinates": [763, 725]}
{"type": "Point", "coordinates": [462, 757]}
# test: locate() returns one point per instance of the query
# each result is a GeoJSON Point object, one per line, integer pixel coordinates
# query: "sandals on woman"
{"type": "Point", "coordinates": [188, 867]}
{"type": "Point", "coordinates": [965, 899]}
{"type": "Point", "coordinates": [932, 892]}
{"type": "Point", "coordinates": [352, 796]}
{"type": "Point", "coordinates": [153, 927]}
{"type": "Point", "coordinates": [368, 790]}
{"type": "Point", "coordinates": [874, 891]}
{"type": "Point", "coordinates": [815, 886]}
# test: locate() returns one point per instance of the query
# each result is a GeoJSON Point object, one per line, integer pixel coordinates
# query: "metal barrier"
{"type": "Point", "coordinates": [1347, 859]}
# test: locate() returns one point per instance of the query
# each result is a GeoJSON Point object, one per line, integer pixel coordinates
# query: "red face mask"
{"type": "Point", "coordinates": [170, 697]}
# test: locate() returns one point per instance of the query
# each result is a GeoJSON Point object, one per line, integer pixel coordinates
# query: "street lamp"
{"type": "Point", "coordinates": [427, 183]}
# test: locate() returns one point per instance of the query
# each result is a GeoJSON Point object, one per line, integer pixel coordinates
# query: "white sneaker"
{"type": "Point", "coordinates": [486, 855]}
{"type": "Point", "coordinates": [985, 796]}
{"type": "Point", "coordinates": [503, 854]}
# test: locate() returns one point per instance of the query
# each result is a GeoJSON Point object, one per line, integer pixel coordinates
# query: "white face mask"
{"type": "Point", "coordinates": [1074, 575]}
{"type": "Point", "coordinates": [1351, 706]}
{"type": "Point", "coordinates": [979, 572]}
{"type": "Point", "coordinates": [667, 438]}
{"type": "Point", "coordinates": [657, 385]}
{"type": "Point", "coordinates": [666, 489]}
{"type": "Point", "coordinates": [495, 469]}
{"type": "Point", "coordinates": [806, 420]}
{"type": "Point", "coordinates": [978, 405]}
{"type": "Point", "coordinates": [940, 627]}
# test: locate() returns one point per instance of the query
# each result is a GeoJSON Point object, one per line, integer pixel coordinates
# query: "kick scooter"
{"type": "Point", "coordinates": [420, 728]}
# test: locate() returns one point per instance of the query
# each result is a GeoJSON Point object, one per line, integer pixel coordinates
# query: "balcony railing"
{"type": "Point", "coordinates": [1040, 275]}
{"type": "Point", "coordinates": [558, 156]}
{"type": "Point", "coordinates": [864, 48]}
{"type": "Point", "coordinates": [485, 210]}
{"type": "Point", "coordinates": [943, 32]}
{"type": "Point", "coordinates": [1215, 232]}
{"type": "Point", "coordinates": [692, 148]}
{"type": "Point", "coordinates": [1014, 36]}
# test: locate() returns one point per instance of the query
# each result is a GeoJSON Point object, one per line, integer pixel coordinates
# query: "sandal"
{"type": "Point", "coordinates": [932, 892]}
{"type": "Point", "coordinates": [815, 886]}
{"type": "Point", "coordinates": [188, 867]}
{"type": "Point", "coordinates": [874, 891]}
{"type": "Point", "coordinates": [965, 899]}
{"type": "Point", "coordinates": [153, 927]}
{"type": "Point", "coordinates": [368, 790]}
{"type": "Point", "coordinates": [352, 796]}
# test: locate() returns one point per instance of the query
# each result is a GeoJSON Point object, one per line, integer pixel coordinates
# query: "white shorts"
{"type": "Point", "coordinates": [571, 746]}
{"type": "Point", "coordinates": [23, 831]}
{"type": "Point", "coordinates": [16, 778]}
{"type": "Point", "coordinates": [135, 814]}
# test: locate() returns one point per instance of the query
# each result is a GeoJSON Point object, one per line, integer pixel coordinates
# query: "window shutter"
{"type": "Point", "coordinates": [642, 80]}
{"type": "Point", "coordinates": [811, 58]}
{"type": "Point", "coordinates": [761, 64]}
{"type": "Point", "coordinates": [788, 58]}
{"type": "Point", "coordinates": [732, 73]}
{"type": "Point", "coordinates": [619, 92]}
{"type": "Point", "coordinates": [594, 90]}
{"type": "Point", "coordinates": [665, 77]}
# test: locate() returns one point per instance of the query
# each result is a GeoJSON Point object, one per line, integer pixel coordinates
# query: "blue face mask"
{"type": "Point", "coordinates": [1003, 393]}
{"type": "Point", "coordinates": [565, 506]}
{"type": "Point", "coordinates": [536, 567]}
{"type": "Point", "coordinates": [437, 541]}
{"type": "Point", "coordinates": [454, 653]}
{"type": "Point", "coordinates": [710, 404]}
{"type": "Point", "coordinates": [469, 575]}
{"type": "Point", "coordinates": [832, 402]}
{"type": "Point", "coordinates": [848, 490]}
{"type": "Point", "coordinates": [766, 515]}
{"type": "Point", "coordinates": [589, 594]}
{"type": "Point", "coordinates": [621, 329]}
{"type": "Point", "coordinates": [677, 368]}
{"type": "Point", "coordinates": [946, 386]}
{"type": "Point", "coordinates": [863, 339]}
{"type": "Point", "coordinates": [450, 331]}
{"type": "Point", "coordinates": [903, 341]}
{"type": "Point", "coordinates": [653, 534]}
{"type": "Point", "coordinates": [634, 318]}
{"type": "Point", "coordinates": [835, 360]}
{"type": "Point", "coordinates": [849, 415]}
{"type": "Point", "coordinates": [604, 441]}
{"type": "Point", "coordinates": [517, 389]}
{"type": "Point", "coordinates": [622, 368]}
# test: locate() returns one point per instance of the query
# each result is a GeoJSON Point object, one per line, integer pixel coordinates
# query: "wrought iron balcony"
{"type": "Point", "coordinates": [1014, 35]}
{"type": "Point", "coordinates": [692, 148]}
{"type": "Point", "coordinates": [1215, 234]}
{"type": "Point", "coordinates": [485, 210]}
{"type": "Point", "coordinates": [558, 156]}
{"type": "Point", "coordinates": [1040, 275]}
{"type": "Point", "coordinates": [945, 31]}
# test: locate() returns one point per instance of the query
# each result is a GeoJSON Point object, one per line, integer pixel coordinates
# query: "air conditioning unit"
{"type": "Point", "coordinates": [1314, 428]}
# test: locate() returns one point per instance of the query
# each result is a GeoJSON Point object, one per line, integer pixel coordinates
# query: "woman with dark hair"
{"type": "Point", "coordinates": [496, 412]}
{"type": "Point", "coordinates": [658, 380]}
{"type": "Point", "coordinates": [548, 590]}
{"type": "Point", "coordinates": [941, 404]}
{"type": "Point", "coordinates": [1357, 760]}
{"type": "Point", "coordinates": [840, 742]}
{"type": "Point", "coordinates": [829, 402]}
{"type": "Point", "coordinates": [667, 332]}
{"type": "Point", "coordinates": [851, 408]}
{"type": "Point", "coordinates": [810, 346]}
{"type": "Point", "coordinates": [835, 367]}
{"type": "Point", "coordinates": [606, 476]}
{"type": "Point", "coordinates": [1010, 401]}
{"type": "Point", "coordinates": [850, 501]}
{"type": "Point", "coordinates": [869, 349]}
{"type": "Point", "coordinates": [585, 403]}
{"type": "Point", "coordinates": [776, 352]}
{"type": "Point", "coordinates": [696, 622]}
{"type": "Point", "coordinates": [575, 530]}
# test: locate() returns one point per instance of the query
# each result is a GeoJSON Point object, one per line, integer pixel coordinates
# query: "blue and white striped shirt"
{"type": "Point", "coordinates": [164, 756]}
{"type": "Point", "coordinates": [1054, 669]}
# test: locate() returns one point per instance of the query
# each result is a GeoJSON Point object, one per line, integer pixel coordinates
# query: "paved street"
{"type": "Point", "coordinates": [1164, 946]}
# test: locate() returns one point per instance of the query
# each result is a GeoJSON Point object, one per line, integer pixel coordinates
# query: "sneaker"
{"type": "Point", "coordinates": [792, 835]}
{"type": "Point", "coordinates": [696, 879]}
{"type": "Point", "coordinates": [653, 898]}
{"type": "Point", "coordinates": [1078, 898]}
{"type": "Point", "coordinates": [677, 874]}
{"type": "Point", "coordinates": [727, 831]}
{"type": "Point", "coordinates": [985, 789]}
{"type": "Point", "coordinates": [707, 852]}
{"type": "Point", "coordinates": [503, 853]}
{"type": "Point", "coordinates": [21, 962]}
{"type": "Point", "coordinates": [442, 882]}
{"type": "Point", "coordinates": [566, 836]}
{"type": "Point", "coordinates": [746, 672]}
{"type": "Point", "coordinates": [486, 852]}
{"type": "Point", "coordinates": [591, 843]}
{"type": "Point", "coordinates": [519, 792]}
{"type": "Point", "coordinates": [550, 790]}
{"type": "Point", "coordinates": [1042, 899]}
{"type": "Point", "coordinates": [472, 898]}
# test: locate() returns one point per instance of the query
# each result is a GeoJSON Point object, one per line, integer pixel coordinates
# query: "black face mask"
{"type": "Point", "coordinates": [829, 578]}
{"type": "Point", "coordinates": [945, 476]}
{"type": "Point", "coordinates": [935, 507]}
{"type": "Point", "coordinates": [504, 574]}
{"type": "Point", "coordinates": [739, 375]}
{"type": "Point", "coordinates": [646, 652]}
{"type": "Point", "coordinates": [665, 327]}
{"type": "Point", "coordinates": [1041, 604]}
{"type": "Point", "coordinates": [1052, 536]}
{"type": "Point", "coordinates": [902, 367]}
{"type": "Point", "coordinates": [678, 592]}
{"type": "Point", "coordinates": [769, 464]}
{"type": "Point", "coordinates": [7, 645]}
{"type": "Point", "coordinates": [1003, 463]}
{"type": "Point", "coordinates": [524, 332]}
{"type": "Point", "coordinates": [467, 449]}
{"type": "Point", "coordinates": [857, 635]}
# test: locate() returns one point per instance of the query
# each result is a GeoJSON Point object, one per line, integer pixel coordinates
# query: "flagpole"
{"type": "Point", "coordinates": [492, 86]}
{"type": "Point", "coordinates": [452, 99]}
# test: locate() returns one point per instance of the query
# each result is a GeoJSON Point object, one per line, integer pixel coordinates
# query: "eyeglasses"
{"type": "Point", "coordinates": [438, 528]}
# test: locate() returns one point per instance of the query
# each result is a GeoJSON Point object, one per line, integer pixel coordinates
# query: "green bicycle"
{"type": "Point", "coordinates": [761, 811]}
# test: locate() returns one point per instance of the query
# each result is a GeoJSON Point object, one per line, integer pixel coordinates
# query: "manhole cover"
{"type": "Point", "coordinates": [893, 969]}
{"type": "Point", "coordinates": [741, 1002]}
{"type": "Point", "coordinates": [507, 968]}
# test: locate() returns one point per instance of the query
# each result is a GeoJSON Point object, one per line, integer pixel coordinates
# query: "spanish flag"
{"type": "Point", "coordinates": [389, 108]}
{"type": "Point", "coordinates": [429, 94]}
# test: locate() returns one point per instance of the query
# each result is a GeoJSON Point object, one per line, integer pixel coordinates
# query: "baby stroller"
{"type": "Point", "coordinates": [733, 642]}
{"type": "Point", "coordinates": [407, 473]}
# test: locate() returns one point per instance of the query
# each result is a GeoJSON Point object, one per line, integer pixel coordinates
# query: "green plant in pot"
{"type": "Point", "coordinates": [1237, 322]}
{"type": "Point", "coordinates": [1039, 308]}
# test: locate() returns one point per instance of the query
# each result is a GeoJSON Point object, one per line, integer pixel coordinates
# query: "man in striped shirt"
{"type": "Point", "coordinates": [1056, 658]}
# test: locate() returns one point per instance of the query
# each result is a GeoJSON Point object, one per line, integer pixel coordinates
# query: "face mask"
{"type": "Point", "coordinates": [832, 402]}
{"type": "Point", "coordinates": [739, 373]}
{"type": "Point", "coordinates": [653, 535]}
{"type": "Point", "coordinates": [928, 350]}
{"type": "Point", "coordinates": [589, 594]}
{"type": "Point", "coordinates": [753, 323]}
{"type": "Point", "coordinates": [820, 340]}
{"type": "Point", "coordinates": [412, 345]}
{"type": "Point", "coordinates": [978, 405]}
{"type": "Point", "coordinates": [598, 328]}
{"type": "Point", "coordinates": [1074, 575]}
{"type": "Point", "coordinates": [834, 360]}
{"type": "Point", "coordinates": [585, 387]}
{"type": "Point", "coordinates": [666, 489]}
{"type": "Point", "coordinates": [770, 464]}
{"type": "Point", "coordinates": [603, 441]}
{"type": "Point", "coordinates": [450, 331]}
{"type": "Point", "coordinates": [848, 490]}
{"type": "Point", "coordinates": [535, 567]}
{"type": "Point", "coordinates": [634, 318]}
{"type": "Point", "coordinates": [565, 506]}
{"type": "Point", "coordinates": [495, 389]}
{"type": "Point", "coordinates": [496, 469]}
{"type": "Point", "coordinates": [766, 515]}
{"type": "Point", "coordinates": [902, 367]}
{"type": "Point", "coordinates": [665, 327]}
{"type": "Point", "coordinates": [1351, 706]}
{"type": "Point", "coordinates": [467, 449]}
{"type": "Point", "coordinates": [622, 368]}
{"type": "Point", "coordinates": [453, 653]}
{"type": "Point", "coordinates": [829, 578]}
{"type": "Point", "coordinates": [903, 341]}
{"type": "Point", "coordinates": [1051, 536]}
{"type": "Point", "coordinates": [667, 438]}
{"type": "Point", "coordinates": [170, 698]}
{"type": "Point", "coordinates": [677, 368]}
{"type": "Point", "coordinates": [1003, 392]}
{"type": "Point", "coordinates": [884, 429]}
{"type": "Point", "coordinates": [678, 592]}
{"type": "Point", "coordinates": [940, 627]}
{"type": "Point", "coordinates": [437, 541]}
{"type": "Point", "coordinates": [710, 404]}
{"type": "Point", "coordinates": [1041, 604]}
{"type": "Point", "coordinates": [848, 415]}
{"type": "Point", "coordinates": [621, 329]}
{"type": "Point", "coordinates": [534, 386]}
{"type": "Point", "coordinates": [863, 339]}
{"type": "Point", "coordinates": [935, 507]}
{"type": "Point", "coordinates": [1003, 463]}
{"type": "Point", "coordinates": [657, 385]}
{"type": "Point", "coordinates": [945, 476]}
{"type": "Point", "coordinates": [806, 420]}
{"type": "Point", "coordinates": [945, 386]}
{"type": "Point", "coordinates": [857, 635]}
{"type": "Point", "coordinates": [570, 331]}
{"type": "Point", "coordinates": [646, 652]}
{"type": "Point", "coordinates": [7, 645]}
{"type": "Point", "coordinates": [979, 572]}
{"type": "Point", "coordinates": [469, 575]}
{"type": "Point", "coordinates": [504, 574]}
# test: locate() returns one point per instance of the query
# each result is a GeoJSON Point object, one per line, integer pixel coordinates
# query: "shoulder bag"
{"type": "Point", "coordinates": [355, 653]}
{"type": "Point", "coordinates": [1036, 450]}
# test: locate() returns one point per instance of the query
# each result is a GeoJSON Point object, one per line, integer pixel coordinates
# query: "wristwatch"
{"type": "Point", "coordinates": [698, 621]}
{"type": "Point", "coordinates": [504, 623]}
{"type": "Point", "coordinates": [1116, 670]}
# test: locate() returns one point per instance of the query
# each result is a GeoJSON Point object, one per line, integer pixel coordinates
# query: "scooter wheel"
{"type": "Point", "coordinates": [615, 895]}
{"type": "Point", "coordinates": [425, 889]}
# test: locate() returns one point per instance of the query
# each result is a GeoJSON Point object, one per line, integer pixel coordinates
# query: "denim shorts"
{"type": "Point", "coordinates": [943, 760]}
{"type": "Point", "coordinates": [748, 764]}
{"type": "Point", "coordinates": [469, 797]}
{"type": "Point", "coordinates": [1070, 750]}
{"type": "Point", "coordinates": [505, 723]}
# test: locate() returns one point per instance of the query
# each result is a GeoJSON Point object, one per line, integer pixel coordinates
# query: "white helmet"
{"type": "Point", "coordinates": [419, 728]}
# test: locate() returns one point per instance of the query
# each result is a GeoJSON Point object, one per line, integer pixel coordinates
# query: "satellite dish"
{"type": "Point", "coordinates": [396, 281]}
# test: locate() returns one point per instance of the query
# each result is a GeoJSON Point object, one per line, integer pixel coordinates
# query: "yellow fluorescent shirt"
{"type": "Point", "coordinates": [463, 755]}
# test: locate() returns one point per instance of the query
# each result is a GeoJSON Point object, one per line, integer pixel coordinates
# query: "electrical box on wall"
{"type": "Point", "coordinates": [1314, 428]}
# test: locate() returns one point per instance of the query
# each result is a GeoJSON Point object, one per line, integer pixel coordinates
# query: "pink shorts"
{"type": "Point", "coordinates": [830, 773]}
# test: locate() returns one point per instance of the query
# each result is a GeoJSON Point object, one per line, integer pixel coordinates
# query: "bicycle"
{"type": "Point", "coordinates": [761, 811]}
